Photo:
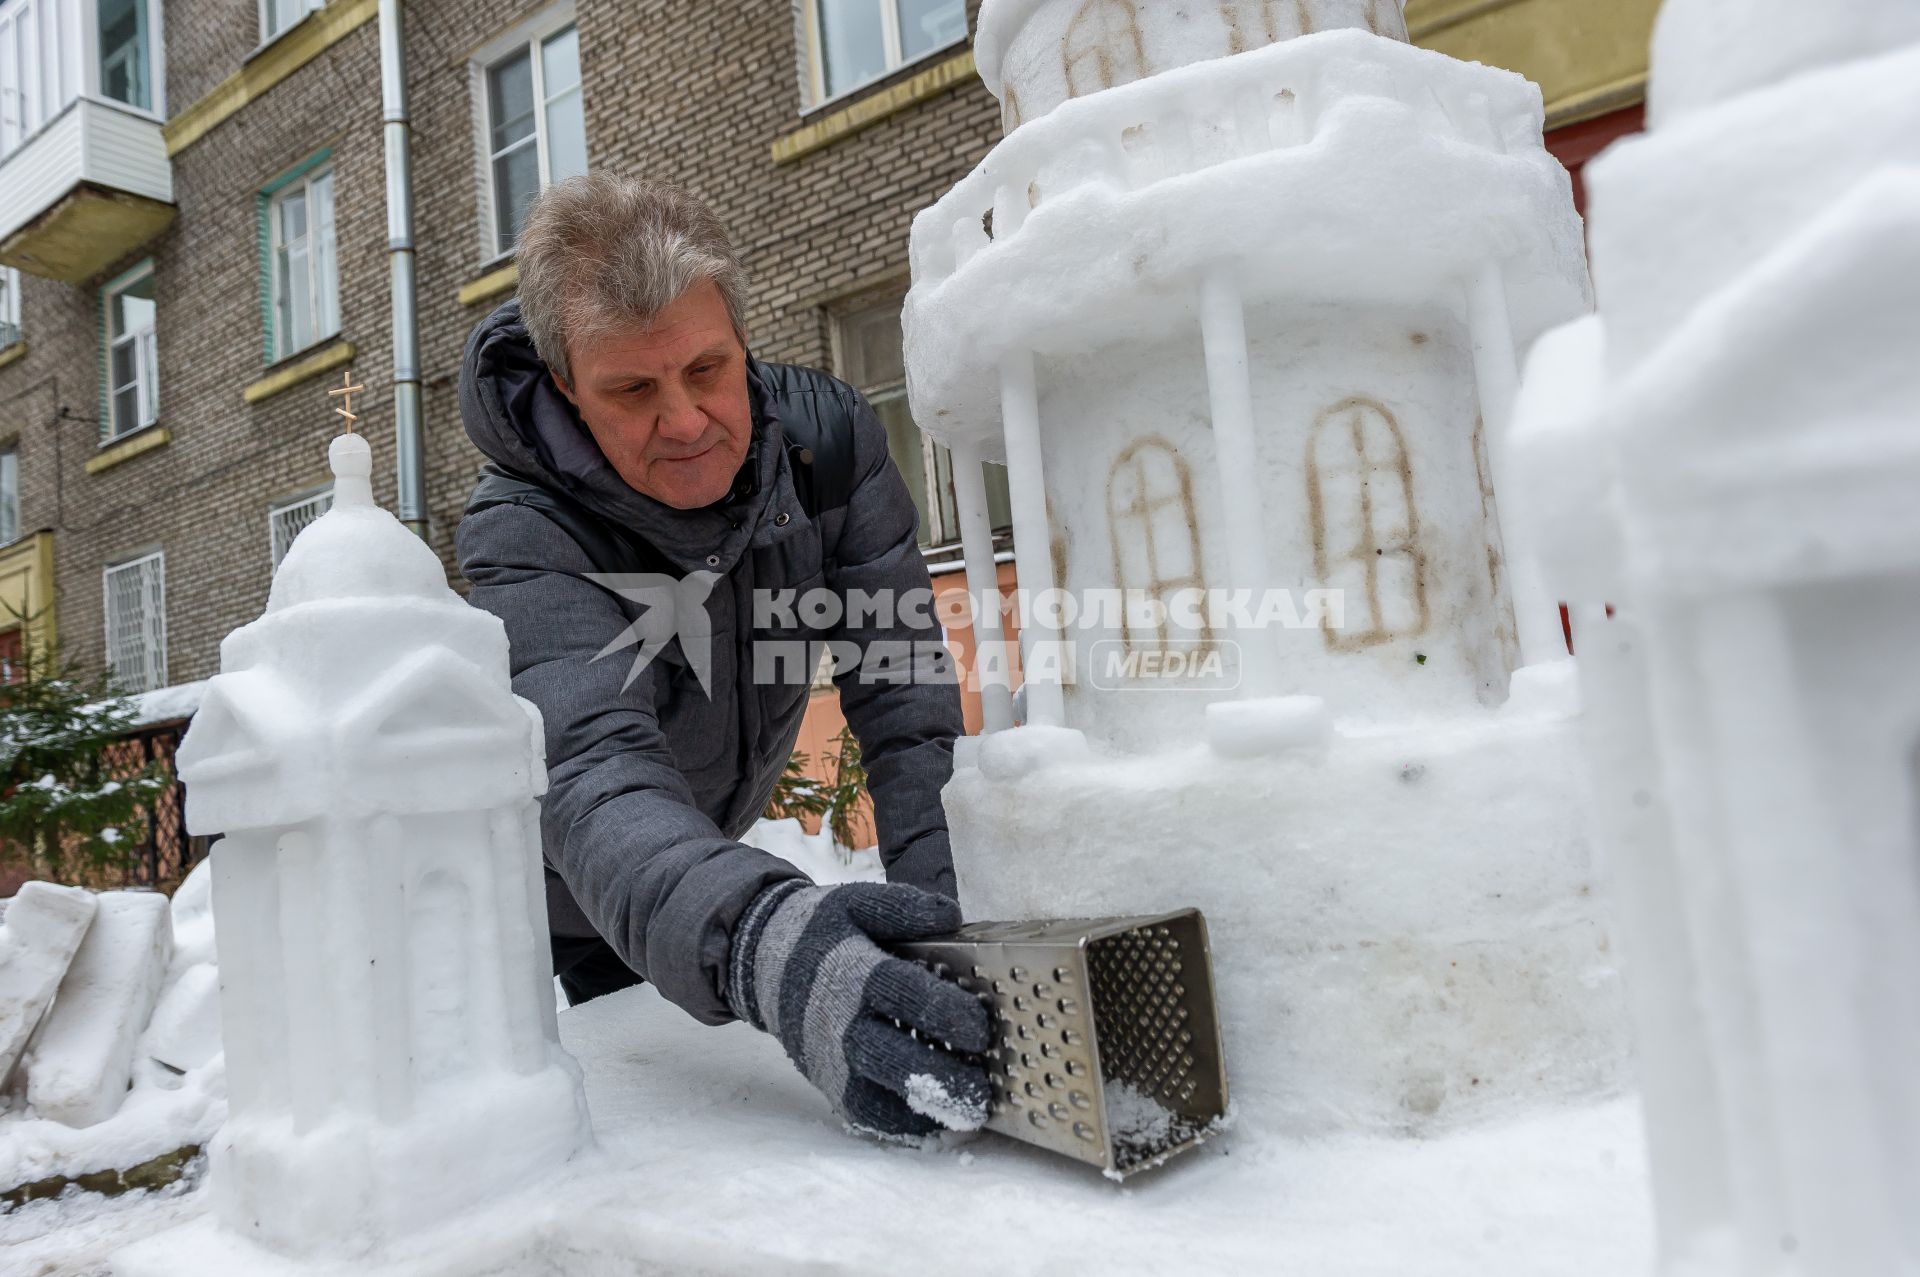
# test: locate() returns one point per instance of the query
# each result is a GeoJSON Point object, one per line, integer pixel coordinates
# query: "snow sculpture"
{"type": "Point", "coordinates": [392, 1052]}
{"type": "Point", "coordinates": [1244, 326]}
{"type": "Point", "coordinates": [1729, 453]}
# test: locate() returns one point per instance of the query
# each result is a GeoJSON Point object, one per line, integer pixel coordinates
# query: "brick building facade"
{"type": "Point", "coordinates": [817, 164]}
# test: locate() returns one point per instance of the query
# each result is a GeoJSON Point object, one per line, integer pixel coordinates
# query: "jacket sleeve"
{"type": "Point", "coordinates": [619, 822]}
{"type": "Point", "coordinates": [905, 717]}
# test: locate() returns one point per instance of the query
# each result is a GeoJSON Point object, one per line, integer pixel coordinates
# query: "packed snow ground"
{"type": "Point", "coordinates": [716, 1157]}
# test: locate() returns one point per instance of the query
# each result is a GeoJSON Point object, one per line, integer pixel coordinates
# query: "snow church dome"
{"type": "Point", "coordinates": [356, 549]}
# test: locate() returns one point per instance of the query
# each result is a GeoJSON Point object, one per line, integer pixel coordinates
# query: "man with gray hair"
{"type": "Point", "coordinates": [655, 500]}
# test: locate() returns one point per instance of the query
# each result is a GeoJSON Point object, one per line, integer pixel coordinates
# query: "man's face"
{"type": "Point", "coordinates": [668, 404]}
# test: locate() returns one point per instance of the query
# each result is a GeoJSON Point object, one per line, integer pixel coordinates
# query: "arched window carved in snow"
{"type": "Point", "coordinates": [1366, 527]}
{"type": "Point", "coordinates": [1103, 47]}
{"type": "Point", "coordinates": [1156, 542]}
{"type": "Point", "coordinates": [1277, 20]}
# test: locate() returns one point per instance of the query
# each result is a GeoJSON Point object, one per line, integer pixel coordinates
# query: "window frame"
{"type": "Point", "coordinates": [937, 496]}
{"type": "Point", "coordinates": [155, 637]}
{"type": "Point", "coordinates": [9, 494]}
{"type": "Point", "coordinates": [813, 50]}
{"type": "Point", "coordinates": [146, 380]}
{"type": "Point", "coordinates": [276, 344]}
{"type": "Point", "coordinates": [524, 37]}
{"type": "Point", "coordinates": [275, 551]}
{"type": "Point", "coordinates": [11, 331]}
{"type": "Point", "coordinates": [268, 35]}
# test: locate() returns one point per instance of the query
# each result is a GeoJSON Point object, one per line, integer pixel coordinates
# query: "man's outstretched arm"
{"type": "Point", "coordinates": [619, 823]}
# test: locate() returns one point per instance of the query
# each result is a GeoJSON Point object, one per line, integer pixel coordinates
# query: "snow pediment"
{"type": "Point", "coordinates": [435, 733]}
{"type": "Point", "coordinates": [239, 753]}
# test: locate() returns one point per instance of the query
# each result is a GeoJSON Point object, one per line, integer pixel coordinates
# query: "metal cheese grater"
{"type": "Point", "coordinates": [1109, 1046]}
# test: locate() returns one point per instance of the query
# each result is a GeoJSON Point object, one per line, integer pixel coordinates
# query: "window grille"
{"type": "Point", "coordinates": [284, 522]}
{"type": "Point", "coordinates": [136, 597]}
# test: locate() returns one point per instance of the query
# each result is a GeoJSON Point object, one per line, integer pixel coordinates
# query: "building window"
{"type": "Point", "coordinates": [125, 52]}
{"type": "Point", "coordinates": [9, 495]}
{"type": "Point", "coordinates": [532, 121]}
{"type": "Point", "coordinates": [303, 281]}
{"type": "Point", "coordinates": [137, 623]}
{"type": "Point", "coordinates": [133, 367]}
{"type": "Point", "coordinates": [854, 42]}
{"type": "Point", "coordinates": [9, 307]}
{"type": "Point", "coordinates": [869, 355]}
{"type": "Point", "coordinates": [284, 522]}
{"type": "Point", "coordinates": [280, 16]}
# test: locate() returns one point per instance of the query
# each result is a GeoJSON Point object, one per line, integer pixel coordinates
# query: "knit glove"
{"type": "Point", "coordinates": [880, 1036]}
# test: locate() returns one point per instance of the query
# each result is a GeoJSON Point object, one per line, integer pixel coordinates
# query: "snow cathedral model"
{"type": "Point", "coordinates": [392, 1050]}
{"type": "Point", "coordinates": [1730, 453]}
{"type": "Point", "coordinates": [1250, 327]}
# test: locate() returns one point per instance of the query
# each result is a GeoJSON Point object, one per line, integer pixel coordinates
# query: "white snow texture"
{"type": "Point", "coordinates": [382, 926]}
{"type": "Point", "coordinates": [1728, 454]}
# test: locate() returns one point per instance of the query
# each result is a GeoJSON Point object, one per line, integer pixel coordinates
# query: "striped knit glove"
{"type": "Point", "coordinates": [879, 1035]}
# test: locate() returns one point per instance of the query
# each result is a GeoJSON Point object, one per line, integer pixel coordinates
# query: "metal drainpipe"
{"type": "Point", "coordinates": [406, 326]}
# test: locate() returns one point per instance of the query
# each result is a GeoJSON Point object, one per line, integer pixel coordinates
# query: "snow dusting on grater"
{"type": "Point", "coordinates": [1109, 1039]}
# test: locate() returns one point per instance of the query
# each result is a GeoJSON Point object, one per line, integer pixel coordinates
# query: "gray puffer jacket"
{"type": "Point", "coordinates": [651, 786]}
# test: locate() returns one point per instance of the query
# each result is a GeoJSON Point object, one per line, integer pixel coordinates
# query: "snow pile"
{"type": "Point", "coordinates": [716, 1156]}
{"type": "Point", "coordinates": [817, 855]}
{"type": "Point", "coordinates": [125, 1066]}
{"type": "Point", "coordinates": [1724, 464]}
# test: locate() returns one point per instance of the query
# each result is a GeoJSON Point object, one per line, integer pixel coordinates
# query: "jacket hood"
{"type": "Point", "coordinates": [518, 418]}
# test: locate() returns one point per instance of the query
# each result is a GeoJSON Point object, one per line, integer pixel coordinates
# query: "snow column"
{"type": "Point", "coordinates": [983, 584]}
{"type": "Point", "coordinates": [1223, 331]}
{"type": "Point", "coordinates": [1536, 613]}
{"type": "Point", "coordinates": [1032, 540]}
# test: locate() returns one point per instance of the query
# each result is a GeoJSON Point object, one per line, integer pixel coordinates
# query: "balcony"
{"type": "Point", "coordinates": [84, 174]}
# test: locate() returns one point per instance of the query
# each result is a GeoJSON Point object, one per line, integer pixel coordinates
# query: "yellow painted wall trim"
{"type": "Point", "coordinates": [1589, 57]}
{"type": "Point", "coordinates": [1430, 17]}
{"type": "Point", "coordinates": [323, 360]}
{"type": "Point", "coordinates": [316, 33]}
{"type": "Point", "coordinates": [873, 108]}
{"type": "Point", "coordinates": [491, 284]}
{"type": "Point", "coordinates": [127, 449]}
{"type": "Point", "coordinates": [1590, 103]}
{"type": "Point", "coordinates": [18, 350]}
{"type": "Point", "coordinates": [26, 587]}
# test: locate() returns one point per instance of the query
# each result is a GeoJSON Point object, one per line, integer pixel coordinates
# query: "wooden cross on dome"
{"type": "Point", "coordinates": [345, 394]}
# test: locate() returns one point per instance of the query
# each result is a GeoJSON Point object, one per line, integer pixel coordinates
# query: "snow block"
{"type": "Point", "coordinates": [45, 925]}
{"type": "Point", "coordinates": [185, 1031]}
{"type": "Point", "coordinates": [81, 1060]}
